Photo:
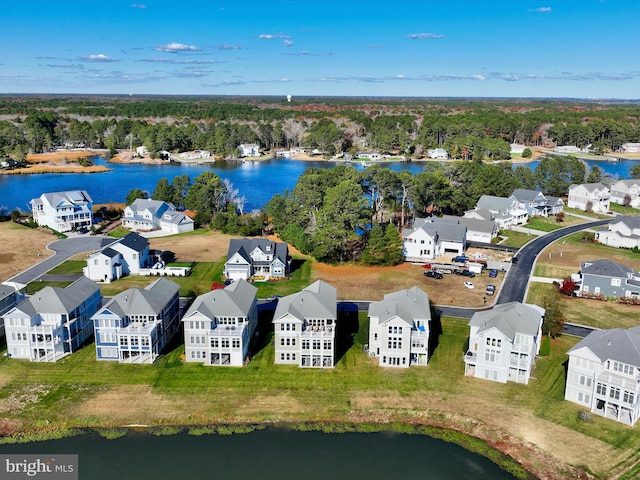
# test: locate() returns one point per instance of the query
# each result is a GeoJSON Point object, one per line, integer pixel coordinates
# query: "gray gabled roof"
{"type": "Point", "coordinates": [509, 318]}
{"type": "Point", "coordinates": [525, 195]}
{"type": "Point", "coordinates": [235, 300]}
{"type": "Point", "coordinates": [74, 197]}
{"type": "Point", "coordinates": [589, 187]}
{"type": "Point", "coordinates": [148, 301]}
{"type": "Point", "coordinates": [58, 300]}
{"type": "Point", "coordinates": [446, 231]}
{"type": "Point", "coordinates": [134, 242]}
{"type": "Point", "coordinates": [631, 221]}
{"type": "Point", "coordinates": [408, 305]}
{"type": "Point", "coordinates": [606, 268]}
{"type": "Point", "coordinates": [613, 344]}
{"type": "Point", "coordinates": [156, 207]}
{"type": "Point", "coordinates": [494, 204]}
{"type": "Point", "coordinates": [318, 300]}
{"type": "Point", "coordinates": [628, 183]}
{"type": "Point", "coordinates": [244, 246]}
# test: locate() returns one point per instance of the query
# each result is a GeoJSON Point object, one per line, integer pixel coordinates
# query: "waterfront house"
{"type": "Point", "coordinates": [126, 256]}
{"type": "Point", "coordinates": [623, 231]}
{"type": "Point", "coordinates": [249, 150]}
{"type": "Point", "coordinates": [399, 328]}
{"type": "Point", "coordinates": [257, 258]}
{"type": "Point", "coordinates": [53, 322]}
{"type": "Point", "coordinates": [219, 325]}
{"type": "Point", "coordinates": [608, 278]}
{"type": "Point", "coordinates": [603, 374]}
{"type": "Point", "coordinates": [504, 342]}
{"type": "Point", "coordinates": [506, 212]}
{"type": "Point", "coordinates": [626, 192]}
{"type": "Point", "coordinates": [630, 147]}
{"type": "Point", "coordinates": [517, 148]}
{"type": "Point", "coordinates": [437, 153]}
{"type": "Point", "coordinates": [593, 197]}
{"type": "Point", "coordinates": [429, 238]}
{"type": "Point", "coordinates": [305, 327]}
{"type": "Point", "coordinates": [63, 211]}
{"type": "Point", "coordinates": [571, 149]}
{"type": "Point", "coordinates": [145, 214]}
{"type": "Point", "coordinates": [136, 325]}
{"type": "Point", "coordinates": [11, 293]}
{"type": "Point", "coordinates": [372, 156]}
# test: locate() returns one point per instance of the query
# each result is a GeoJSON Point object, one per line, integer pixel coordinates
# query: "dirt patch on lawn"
{"type": "Point", "coordinates": [21, 248]}
{"type": "Point", "coordinates": [204, 247]}
{"type": "Point", "coordinates": [135, 404]}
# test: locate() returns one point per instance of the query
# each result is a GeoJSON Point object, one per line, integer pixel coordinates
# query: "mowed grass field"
{"type": "Point", "coordinates": [531, 423]}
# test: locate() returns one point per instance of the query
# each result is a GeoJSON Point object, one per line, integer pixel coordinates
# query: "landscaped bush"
{"type": "Point", "coordinates": [629, 300]}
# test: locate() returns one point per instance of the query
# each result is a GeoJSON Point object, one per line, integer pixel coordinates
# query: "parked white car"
{"type": "Point", "coordinates": [469, 285]}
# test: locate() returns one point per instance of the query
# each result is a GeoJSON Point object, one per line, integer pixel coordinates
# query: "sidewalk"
{"type": "Point", "coordinates": [528, 231]}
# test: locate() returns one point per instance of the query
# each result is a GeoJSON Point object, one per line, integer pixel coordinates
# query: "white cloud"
{"type": "Point", "coordinates": [424, 36]}
{"type": "Point", "coordinates": [97, 58]}
{"type": "Point", "coordinates": [271, 36]}
{"type": "Point", "coordinates": [138, 5]}
{"type": "Point", "coordinates": [288, 43]}
{"type": "Point", "coordinates": [175, 47]}
{"type": "Point", "coordinates": [176, 61]}
{"type": "Point", "coordinates": [540, 9]}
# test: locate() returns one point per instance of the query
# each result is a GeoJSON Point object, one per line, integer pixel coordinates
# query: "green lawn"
{"type": "Point", "coordinates": [56, 391]}
{"type": "Point", "coordinates": [592, 313]}
{"type": "Point", "coordinates": [595, 216]}
{"type": "Point", "coordinates": [550, 224]}
{"type": "Point", "coordinates": [69, 266]}
{"type": "Point", "coordinates": [614, 207]}
{"type": "Point", "coordinates": [515, 239]}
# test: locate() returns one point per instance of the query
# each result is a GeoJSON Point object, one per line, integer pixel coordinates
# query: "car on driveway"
{"type": "Point", "coordinates": [460, 259]}
{"type": "Point", "coordinates": [436, 275]}
{"type": "Point", "coordinates": [469, 285]}
{"type": "Point", "coordinates": [491, 289]}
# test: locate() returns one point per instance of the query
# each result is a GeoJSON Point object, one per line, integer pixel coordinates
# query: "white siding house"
{"type": "Point", "coordinates": [430, 238]}
{"type": "Point", "coordinates": [623, 231]}
{"type": "Point", "coordinates": [589, 196]}
{"type": "Point", "coordinates": [145, 214]}
{"type": "Point", "coordinates": [503, 342]}
{"type": "Point", "coordinates": [219, 325]}
{"type": "Point", "coordinates": [399, 328]}
{"type": "Point", "coordinates": [63, 211]}
{"type": "Point", "coordinates": [305, 327]}
{"type": "Point", "coordinates": [53, 322]}
{"type": "Point", "coordinates": [437, 153]}
{"type": "Point", "coordinates": [11, 293]}
{"type": "Point", "coordinates": [603, 374]}
{"type": "Point", "coordinates": [625, 192]}
{"type": "Point", "coordinates": [126, 256]}
{"type": "Point", "coordinates": [257, 258]}
{"type": "Point", "coordinates": [249, 150]}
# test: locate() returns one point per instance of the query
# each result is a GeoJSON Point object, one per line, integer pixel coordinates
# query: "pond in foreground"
{"type": "Point", "coordinates": [273, 453]}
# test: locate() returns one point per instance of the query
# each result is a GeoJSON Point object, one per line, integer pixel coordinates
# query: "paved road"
{"type": "Point", "coordinates": [515, 284]}
{"type": "Point", "coordinates": [63, 250]}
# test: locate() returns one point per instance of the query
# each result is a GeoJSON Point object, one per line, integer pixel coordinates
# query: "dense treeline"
{"type": "Point", "coordinates": [468, 129]}
{"type": "Point", "coordinates": [343, 214]}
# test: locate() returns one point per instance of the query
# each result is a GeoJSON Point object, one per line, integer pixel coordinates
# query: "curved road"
{"type": "Point", "coordinates": [63, 250]}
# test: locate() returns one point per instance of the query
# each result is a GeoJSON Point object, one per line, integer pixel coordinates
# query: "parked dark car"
{"type": "Point", "coordinates": [514, 260]}
{"type": "Point", "coordinates": [493, 273]}
{"type": "Point", "coordinates": [460, 259]}
{"type": "Point", "coordinates": [436, 275]}
{"type": "Point", "coordinates": [467, 273]}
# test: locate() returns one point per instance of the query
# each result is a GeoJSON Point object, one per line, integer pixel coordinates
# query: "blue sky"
{"type": "Point", "coordinates": [434, 48]}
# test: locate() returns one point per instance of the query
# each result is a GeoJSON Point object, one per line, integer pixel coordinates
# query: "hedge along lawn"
{"type": "Point", "coordinates": [592, 313]}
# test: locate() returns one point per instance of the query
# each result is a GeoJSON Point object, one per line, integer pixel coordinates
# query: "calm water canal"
{"type": "Point", "coordinates": [258, 182]}
{"type": "Point", "coordinates": [273, 453]}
